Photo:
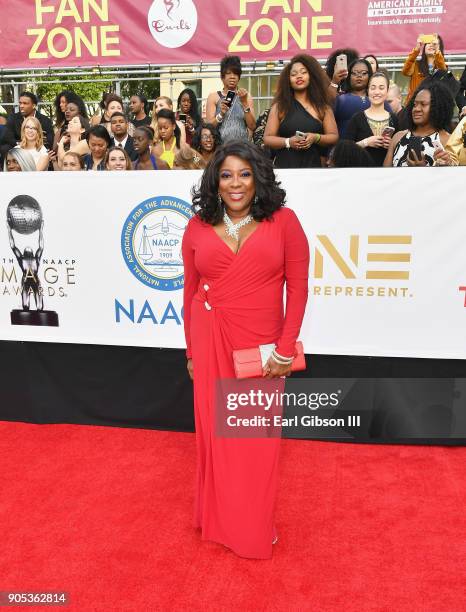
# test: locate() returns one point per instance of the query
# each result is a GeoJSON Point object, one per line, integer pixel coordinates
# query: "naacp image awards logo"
{"type": "Point", "coordinates": [151, 241]}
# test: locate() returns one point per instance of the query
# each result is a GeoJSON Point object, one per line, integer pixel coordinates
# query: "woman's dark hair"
{"type": "Point", "coordinates": [381, 74]}
{"type": "Point", "coordinates": [144, 101]}
{"type": "Point", "coordinates": [149, 132]}
{"type": "Point", "coordinates": [194, 112]}
{"type": "Point", "coordinates": [231, 63]}
{"type": "Point", "coordinates": [99, 131]}
{"type": "Point", "coordinates": [423, 63]}
{"type": "Point", "coordinates": [103, 102]}
{"type": "Point", "coordinates": [164, 113]}
{"type": "Point", "coordinates": [366, 57]}
{"type": "Point", "coordinates": [347, 154]}
{"type": "Point", "coordinates": [270, 196]}
{"type": "Point", "coordinates": [317, 91]}
{"type": "Point", "coordinates": [75, 99]}
{"type": "Point", "coordinates": [351, 55]}
{"type": "Point", "coordinates": [441, 106]}
{"type": "Point", "coordinates": [112, 97]}
{"type": "Point", "coordinates": [196, 142]}
{"type": "Point", "coordinates": [59, 115]}
{"type": "Point", "coordinates": [346, 85]}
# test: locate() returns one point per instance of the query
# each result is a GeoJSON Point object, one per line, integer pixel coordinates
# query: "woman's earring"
{"type": "Point", "coordinates": [256, 199]}
{"type": "Point", "coordinates": [220, 201]}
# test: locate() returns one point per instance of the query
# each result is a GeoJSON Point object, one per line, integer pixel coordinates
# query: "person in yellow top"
{"type": "Point", "coordinates": [169, 135]}
{"type": "Point", "coordinates": [431, 59]}
{"type": "Point", "coordinates": [454, 153]}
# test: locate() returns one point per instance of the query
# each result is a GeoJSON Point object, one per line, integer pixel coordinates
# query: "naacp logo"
{"type": "Point", "coordinates": [151, 242]}
{"type": "Point", "coordinates": [172, 22]}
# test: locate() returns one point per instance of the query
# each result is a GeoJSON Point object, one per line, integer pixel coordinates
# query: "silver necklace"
{"type": "Point", "coordinates": [232, 229]}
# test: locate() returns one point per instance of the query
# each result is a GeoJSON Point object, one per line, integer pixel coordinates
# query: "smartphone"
{"type": "Point", "coordinates": [182, 117]}
{"type": "Point", "coordinates": [388, 131]}
{"type": "Point", "coordinates": [341, 62]}
{"type": "Point", "coordinates": [300, 134]}
{"type": "Point", "coordinates": [415, 144]}
{"type": "Point", "coordinates": [428, 38]}
{"type": "Point", "coordinates": [229, 97]}
{"type": "Point", "coordinates": [438, 146]}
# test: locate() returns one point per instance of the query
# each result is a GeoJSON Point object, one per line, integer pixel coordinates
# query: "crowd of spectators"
{"type": "Point", "coordinates": [347, 114]}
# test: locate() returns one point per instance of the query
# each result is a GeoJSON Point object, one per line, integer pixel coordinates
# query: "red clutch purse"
{"type": "Point", "coordinates": [248, 363]}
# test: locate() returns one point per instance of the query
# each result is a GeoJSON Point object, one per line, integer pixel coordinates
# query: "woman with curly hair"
{"type": "Point", "coordinates": [239, 250]}
{"type": "Point", "coordinates": [301, 122]}
{"type": "Point", "coordinates": [429, 114]}
{"type": "Point", "coordinates": [206, 140]}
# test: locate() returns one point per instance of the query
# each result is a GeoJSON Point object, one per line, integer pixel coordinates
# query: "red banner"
{"type": "Point", "coordinates": [38, 33]}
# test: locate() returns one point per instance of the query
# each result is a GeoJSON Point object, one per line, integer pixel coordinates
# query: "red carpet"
{"type": "Point", "coordinates": [105, 514]}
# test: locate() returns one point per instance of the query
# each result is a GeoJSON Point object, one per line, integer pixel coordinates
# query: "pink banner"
{"type": "Point", "coordinates": [42, 33]}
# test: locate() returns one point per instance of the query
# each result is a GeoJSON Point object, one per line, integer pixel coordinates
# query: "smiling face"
{"type": "Point", "coordinates": [116, 160]}
{"type": "Point", "coordinates": [378, 90]}
{"type": "Point", "coordinates": [166, 128]}
{"type": "Point", "coordinates": [12, 165]}
{"type": "Point", "coordinates": [432, 48]}
{"type": "Point", "coordinates": [71, 111]}
{"type": "Point", "coordinates": [421, 108]}
{"type": "Point", "coordinates": [359, 77]}
{"type": "Point", "coordinates": [236, 185]}
{"type": "Point", "coordinates": [30, 131]}
{"type": "Point", "coordinates": [141, 142]}
{"type": "Point", "coordinates": [207, 140]}
{"type": "Point", "coordinates": [299, 77]}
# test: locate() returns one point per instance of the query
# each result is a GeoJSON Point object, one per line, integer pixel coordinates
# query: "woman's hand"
{"type": "Point", "coordinates": [272, 369]}
{"type": "Point", "coordinates": [224, 108]}
{"type": "Point", "coordinates": [376, 142]}
{"type": "Point", "coordinates": [189, 123]}
{"type": "Point", "coordinates": [414, 160]}
{"type": "Point", "coordinates": [339, 76]}
{"type": "Point", "coordinates": [64, 139]}
{"type": "Point", "coordinates": [243, 96]}
{"type": "Point", "coordinates": [442, 157]}
{"type": "Point", "coordinates": [189, 366]}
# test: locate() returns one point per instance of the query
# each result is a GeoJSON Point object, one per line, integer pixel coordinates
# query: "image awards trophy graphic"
{"type": "Point", "coordinates": [24, 216]}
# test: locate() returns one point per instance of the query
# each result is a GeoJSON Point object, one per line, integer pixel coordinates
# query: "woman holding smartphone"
{"type": "Point", "coordinates": [373, 128]}
{"type": "Point", "coordinates": [429, 113]}
{"type": "Point", "coordinates": [430, 46]}
{"type": "Point", "coordinates": [231, 110]}
{"type": "Point", "coordinates": [301, 123]}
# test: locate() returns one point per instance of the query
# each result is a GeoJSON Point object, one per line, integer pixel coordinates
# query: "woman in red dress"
{"type": "Point", "coordinates": [239, 250]}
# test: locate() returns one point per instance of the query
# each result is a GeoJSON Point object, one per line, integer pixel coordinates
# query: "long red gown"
{"type": "Point", "coordinates": [237, 477]}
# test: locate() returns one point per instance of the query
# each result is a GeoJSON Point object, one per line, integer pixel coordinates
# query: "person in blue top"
{"type": "Point", "coordinates": [355, 99]}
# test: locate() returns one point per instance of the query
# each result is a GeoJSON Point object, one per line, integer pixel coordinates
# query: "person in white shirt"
{"type": "Point", "coordinates": [32, 141]}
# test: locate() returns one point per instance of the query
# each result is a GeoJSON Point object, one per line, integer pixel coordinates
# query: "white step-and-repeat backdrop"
{"type": "Point", "coordinates": [388, 270]}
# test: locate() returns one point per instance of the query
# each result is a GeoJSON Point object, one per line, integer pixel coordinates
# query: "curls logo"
{"type": "Point", "coordinates": [172, 23]}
